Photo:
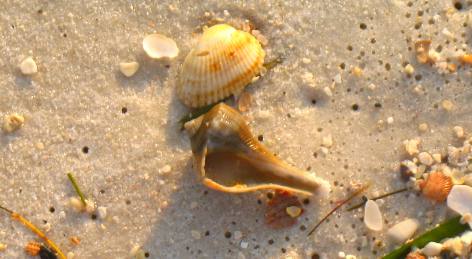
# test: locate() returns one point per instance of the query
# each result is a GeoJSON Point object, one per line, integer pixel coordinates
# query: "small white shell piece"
{"type": "Point", "coordinates": [432, 249]}
{"type": "Point", "coordinates": [159, 46]}
{"type": "Point", "coordinates": [372, 216]}
{"type": "Point", "coordinates": [403, 231]}
{"type": "Point", "coordinates": [129, 68]}
{"type": "Point", "coordinates": [460, 201]}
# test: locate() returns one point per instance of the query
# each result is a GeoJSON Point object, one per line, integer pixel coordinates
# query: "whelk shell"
{"type": "Point", "coordinates": [222, 63]}
{"type": "Point", "coordinates": [228, 158]}
{"type": "Point", "coordinates": [437, 186]}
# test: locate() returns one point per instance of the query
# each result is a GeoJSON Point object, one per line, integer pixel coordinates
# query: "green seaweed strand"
{"type": "Point", "coordinates": [449, 228]}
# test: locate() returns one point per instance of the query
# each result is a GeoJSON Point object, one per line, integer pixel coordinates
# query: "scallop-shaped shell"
{"type": "Point", "coordinates": [228, 157]}
{"type": "Point", "coordinates": [224, 61]}
{"type": "Point", "coordinates": [437, 186]}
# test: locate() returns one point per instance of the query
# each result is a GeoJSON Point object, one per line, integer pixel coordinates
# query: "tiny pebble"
{"type": "Point", "coordinates": [28, 66]}
{"type": "Point", "coordinates": [423, 127]}
{"type": "Point", "coordinates": [244, 244]}
{"type": "Point", "coordinates": [437, 157]}
{"type": "Point", "coordinates": [134, 250]}
{"type": "Point", "coordinates": [90, 206]}
{"type": "Point", "coordinates": [13, 122]}
{"type": "Point", "coordinates": [447, 105]}
{"type": "Point", "coordinates": [409, 69]}
{"type": "Point", "coordinates": [165, 169]}
{"type": "Point", "coordinates": [3, 247]}
{"type": "Point", "coordinates": [306, 60]}
{"type": "Point", "coordinates": [411, 146]}
{"type": "Point", "coordinates": [77, 204]}
{"type": "Point", "coordinates": [327, 91]}
{"type": "Point", "coordinates": [75, 240]}
{"type": "Point", "coordinates": [129, 68]}
{"type": "Point", "coordinates": [238, 235]}
{"type": "Point", "coordinates": [337, 79]}
{"type": "Point", "coordinates": [70, 255]}
{"type": "Point", "coordinates": [327, 141]}
{"type": "Point", "coordinates": [293, 211]}
{"type": "Point", "coordinates": [459, 132]}
{"type": "Point", "coordinates": [196, 234]}
{"type": "Point", "coordinates": [341, 254]}
{"type": "Point", "coordinates": [357, 71]}
{"type": "Point", "coordinates": [102, 212]}
{"type": "Point", "coordinates": [425, 158]}
{"type": "Point", "coordinates": [432, 249]}
{"type": "Point", "coordinates": [390, 120]}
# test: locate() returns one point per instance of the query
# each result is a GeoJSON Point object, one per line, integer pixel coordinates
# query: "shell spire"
{"type": "Point", "coordinates": [222, 63]}
{"type": "Point", "coordinates": [228, 158]}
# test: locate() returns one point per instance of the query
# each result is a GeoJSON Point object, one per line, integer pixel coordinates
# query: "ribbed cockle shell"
{"type": "Point", "coordinates": [222, 63]}
{"type": "Point", "coordinates": [228, 158]}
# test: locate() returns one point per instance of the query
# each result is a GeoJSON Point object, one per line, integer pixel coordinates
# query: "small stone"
{"type": "Point", "coordinates": [437, 158]}
{"type": "Point", "coordinates": [459, 132]}
{"type": "Point", "coordinates": [327, 141]}
{"type": "Point", "coordinates": [425, 158]}
{"type": "Point", "coordinates": [70, 255]}
{"type": "Point", "coordinates": [372, 87]}
{"type": "Point", "coordinates": [409, 69]}
{"type": "Point", "coordinates": [293, 211]}
{"type": "Point", "coordinates": [102, 212]}
{"type": "Point", "coordinates": [238, 235]}
{"type": "Point", "coordinates": [165, 169]}
{"type": "Point", "coordinates": [129, 68]}
{"type": "Point", "coordinates": [3, 247]}
{"type": "Point", "coordinates": [341, 254]}
{"type": "Point", "coordinates": [411, 146]}
{"type": "Point", "coordinates": [77, 204]}
{"type": "Point", "coordinates": [327, 91]}
{"type": "Point", "coordinates": [39, 145]}
{"type": "Point", "coordinates": [423, 127]}
{"type": "Point", "coordinates": [447, 105]}
{"type": "Point", "coordinates": [372, 216]}
{"type": "Point", "coordinates": [90, 206]}
{"type": "Point", "coordinates": [337, 79]}
{"type": "Point", "coordinates": [403, 231]}
{"type": "Point", "coordinates": [306, 60]}
{"type": "Point", "coordinates": [13, 122]}
{"type": "Point", "coordinates": [28, 66]}
{"type": "Point", "coordinates": [390, 120]}
{"type": "Point", "coordinates": [357, 71]}
{"type": "Point", "coordinates": [134, 250]}
{"type": "Point", "coordinates": [244, 244]}
{"type": "Point", "coordinates": [432, 249]}
{"type": "Point", "coordinates": [196, 234]}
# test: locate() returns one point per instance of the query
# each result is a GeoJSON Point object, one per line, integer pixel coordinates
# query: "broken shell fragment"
{"type": "Point", "coordinates": [228, 158]}
{"type": "Point", "coordinates": [129, 68]}
{"type": "Point", "coordinates": [222, 63]}
{"type": "Point", "coordinates": [13, 122]}
{"type": "Point", "coordinates": [372, 216]}
{"type": "Point", "coordinates": [460, 200]}
{"type": "Point", "coordinates": [159, 46]}
{"type": "Point", "coordinates": [437, 186]}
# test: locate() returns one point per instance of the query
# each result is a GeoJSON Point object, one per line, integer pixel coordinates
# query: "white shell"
{"type": "Point", "coordinates": [404, 230]}
{"type": "Point", "coordinates": [432, 249]}
{"type": "Point", "coordinates": [460, 200]}
{"type": "Point", "coordinates": [372, 216]}
{"type": "Point", "coordinates": [159, 46]}
{"type": "Point", "coordinates": [222, 63]}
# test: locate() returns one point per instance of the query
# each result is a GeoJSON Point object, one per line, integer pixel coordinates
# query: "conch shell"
{"type": "Point", "coordinates": [222, 63]}
{"type": "Point", "coordinates": [228, 158]}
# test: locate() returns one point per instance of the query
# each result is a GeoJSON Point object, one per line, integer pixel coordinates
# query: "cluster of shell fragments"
{"type": "Point", "coordinates": [227, 156]}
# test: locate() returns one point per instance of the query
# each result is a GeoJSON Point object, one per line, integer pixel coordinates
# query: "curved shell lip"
{"type": "Point", "coordinates": [244, 188]}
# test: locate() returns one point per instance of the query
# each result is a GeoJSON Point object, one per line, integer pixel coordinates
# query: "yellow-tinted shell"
{"type": "Point", "coordinates": [437, 186]}
{"type": "Point", "coordinates": [228, 158]}
{"type": "Point", "coordinates": [224, 61]}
